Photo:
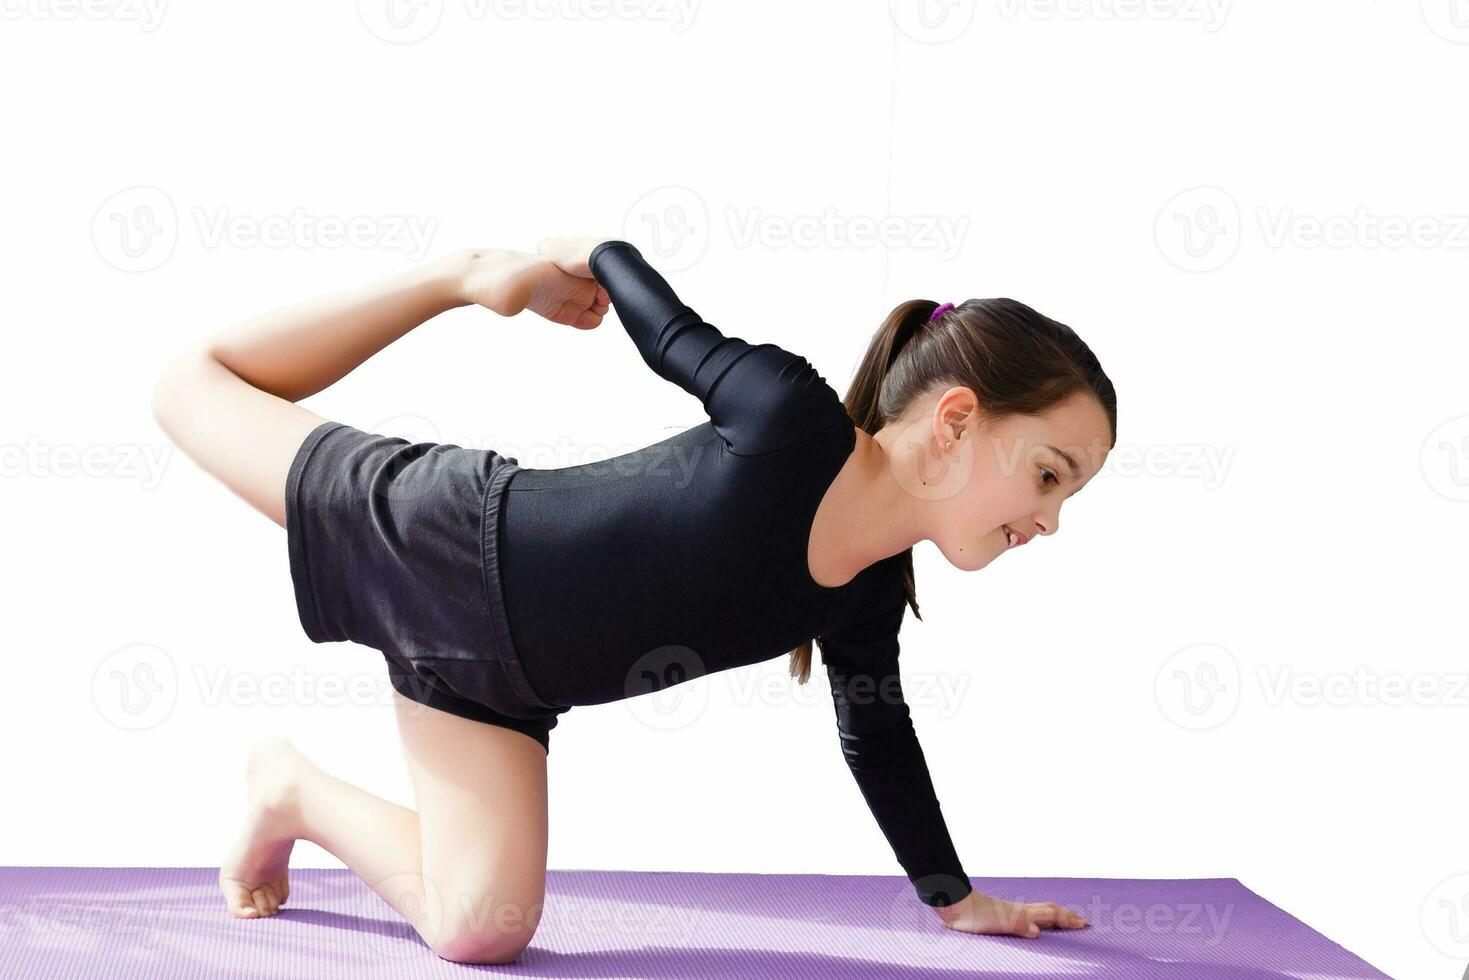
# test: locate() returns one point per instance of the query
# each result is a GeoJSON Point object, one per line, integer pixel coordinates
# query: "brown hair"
{"type": "Point", "coordinates": [1016, 361]}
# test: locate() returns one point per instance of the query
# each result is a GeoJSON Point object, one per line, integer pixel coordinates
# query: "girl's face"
{"type": "Point", "coordinates": [1001, 483]}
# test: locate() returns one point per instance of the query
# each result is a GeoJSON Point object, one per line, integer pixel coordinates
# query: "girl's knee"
{"type": "Point", "coordinates": [481, 945]}
{"type": "Point", "coordinates": [487, 929]}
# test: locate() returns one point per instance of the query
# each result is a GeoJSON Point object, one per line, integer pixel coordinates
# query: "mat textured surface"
{"type": "Point", "coordinates": [100, 923]}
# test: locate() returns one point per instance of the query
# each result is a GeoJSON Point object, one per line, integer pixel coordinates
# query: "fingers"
{"type": "Point", "coordinates": [1048, 915]}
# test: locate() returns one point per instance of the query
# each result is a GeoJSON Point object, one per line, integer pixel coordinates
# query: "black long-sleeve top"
{"type": "Point", "coordinates": [689, 557]}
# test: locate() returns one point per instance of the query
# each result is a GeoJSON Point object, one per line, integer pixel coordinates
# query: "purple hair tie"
{"type": "Point", "coordinates": [940, 312]}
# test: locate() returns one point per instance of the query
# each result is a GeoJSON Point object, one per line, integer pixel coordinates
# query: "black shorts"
{"type": "Point", "coordinates": [395, 545]}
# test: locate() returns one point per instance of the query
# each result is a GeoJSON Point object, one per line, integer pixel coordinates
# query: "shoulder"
{"type": "Point", "coordinates": [790, 401]}
{"type": "Point", "coordinates": [875, 609]}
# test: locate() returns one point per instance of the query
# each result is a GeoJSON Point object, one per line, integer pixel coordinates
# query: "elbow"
{"type": "Point", "coordinates": [171, 387]}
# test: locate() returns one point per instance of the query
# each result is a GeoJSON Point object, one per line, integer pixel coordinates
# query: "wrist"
{"type": "Point", "coordinates": [954, 911]}
{"type": "Point", "coordinates": [450, 275]}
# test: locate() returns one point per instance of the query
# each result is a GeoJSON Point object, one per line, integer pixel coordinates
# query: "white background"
{"type": "Point", "coordinates": [1216, 197]}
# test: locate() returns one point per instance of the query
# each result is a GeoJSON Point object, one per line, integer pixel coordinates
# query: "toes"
{"type": "Point", "coordinates": [264, 897]}
{"type": "Point", "coordinates": [240, 903]}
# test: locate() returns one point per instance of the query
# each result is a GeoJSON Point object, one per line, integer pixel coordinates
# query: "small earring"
{"type": "Point", "coordinates": [949, 445]}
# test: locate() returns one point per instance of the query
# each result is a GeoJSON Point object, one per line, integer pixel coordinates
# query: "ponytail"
{"type": "Point", "coordinates": [1015, 360]}
{"type": "Point", "coordinates": [864, 403]}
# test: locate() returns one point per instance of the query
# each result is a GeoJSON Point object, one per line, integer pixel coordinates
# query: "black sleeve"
{"type": "Point", "coordinates": [759, 397]}
{"type": "Point", "coordinates": [883, 753]}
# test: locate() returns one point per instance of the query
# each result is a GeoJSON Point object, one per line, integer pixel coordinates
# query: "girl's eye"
{"type": "Point", "coordinates": [1049, 476]}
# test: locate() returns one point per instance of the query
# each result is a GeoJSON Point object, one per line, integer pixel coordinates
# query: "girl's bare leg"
{"type": "Point", "coordinates": [467, 868]}
{"type": "Point", "coordinates": [228, 401]}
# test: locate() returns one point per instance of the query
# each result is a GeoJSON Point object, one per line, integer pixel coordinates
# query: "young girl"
{"type": "Point", "coordinates": [502, 596]}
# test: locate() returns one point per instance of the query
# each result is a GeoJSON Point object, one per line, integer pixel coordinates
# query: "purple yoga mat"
{"type": "Point", "coordinates": [135, 923]}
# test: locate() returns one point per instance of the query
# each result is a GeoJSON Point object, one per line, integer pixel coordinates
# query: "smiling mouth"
{"type": "Point", "coordinates": [1013, 538]}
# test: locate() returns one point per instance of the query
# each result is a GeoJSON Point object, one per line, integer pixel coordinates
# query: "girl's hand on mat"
{"type": "Point", "coordinates": [570, 254]}
{"type": "Point", "coordinates": [989, 916]}
{"type": "Point", "coordinates": [509, 282]}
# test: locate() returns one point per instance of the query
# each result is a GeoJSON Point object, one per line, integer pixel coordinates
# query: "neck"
{"type": "Point", "coordinates": [881, 515]}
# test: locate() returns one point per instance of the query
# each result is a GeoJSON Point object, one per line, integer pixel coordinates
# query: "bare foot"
{"type": "Point", "coordinates": [509, 282]}
{"type": "Point", "coordinates": [253, 876]}
{"type": "Point", "coordinates": [570, 254]}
